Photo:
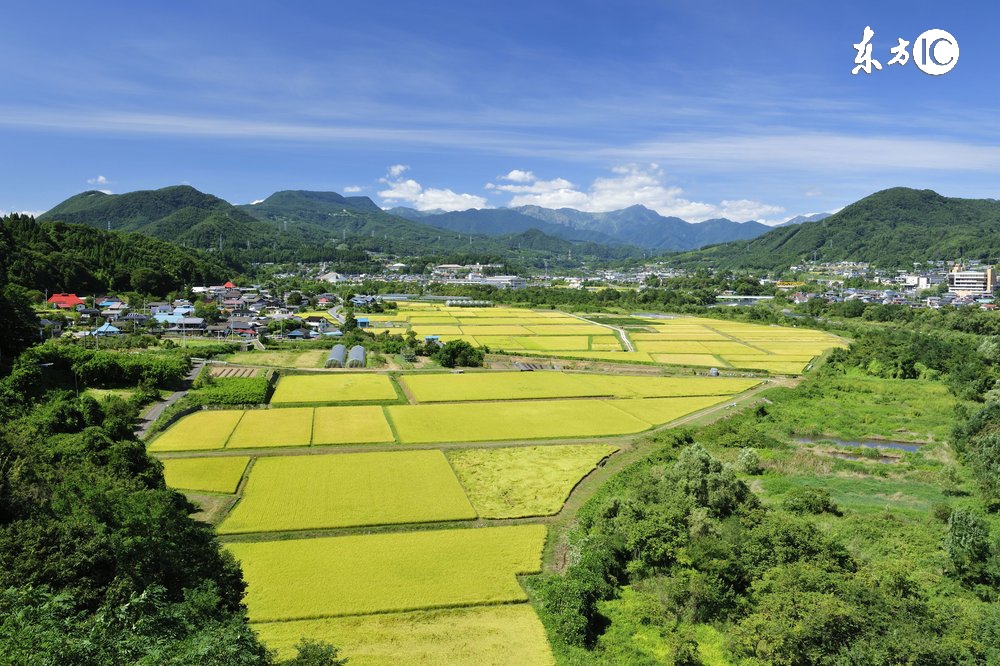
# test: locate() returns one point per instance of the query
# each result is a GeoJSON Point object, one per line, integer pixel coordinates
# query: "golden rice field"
{"type": "Point", "coordinates": [207, 429]}
{"type": "Point", "coordinates": [477, 636]}
{"type": "Point", "coordinates": [273, 427]}
{"type": "Point", "coordinates": [350, 425]}
{"type": "Point", "coordinates": [348, 490]}
{"type": "Point", "coordinates": [664, 410]}
{"type": "Point", "coordinates": [518, 482]}
{"type": "Point", "coordinates": [377, 573]}
{"type": "Point", "coordinates": [498, 421]}
{"type": "Point", "coordinates": [356, 387]}
{"type": "Point", "coordinates": [211, 475]}
{"type": "Point", "coordinates": [473, 386]}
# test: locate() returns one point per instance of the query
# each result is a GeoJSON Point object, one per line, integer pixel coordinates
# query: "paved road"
{"type": "Point", "coordinates": [153, 413]}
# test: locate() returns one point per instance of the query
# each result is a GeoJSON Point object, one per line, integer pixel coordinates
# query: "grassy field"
{"type": "Point", "coordinates": [213, 475]}
{"type": "Point", "coordinates": [477, 636]}
{"type": "Point", "coordinates": [333, 388]}
{"type": "Point", "coordinates": [350, 425]}
{"type": "Point", "coordinates": [284, 358]}
{"type": "Point", "coordinates": [348, 490]}
{"type": "Point", "coordinates": [377, 573]}
{"type": "Point", "coordinates": [524, 481]}
{"type": "Point", "coordinates": [534, 385]}
{"type": "Point", "coordinates": [499, 421]}
{"type": "Point", "coordinates": [273, 427]}
{"type": "Point", "coordinates": [207, 429]}
{"type": "Point", "coordinates": [858, 406]}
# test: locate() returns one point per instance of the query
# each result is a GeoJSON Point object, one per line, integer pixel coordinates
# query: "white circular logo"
{"type": "Point", "coordinates": [935, 52]}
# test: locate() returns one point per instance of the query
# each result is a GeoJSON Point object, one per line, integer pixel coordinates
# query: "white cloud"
{"type": "Point", "coordinates": [105, 191]}
{"type": "Point", "coordinates": [32, 213]}
{"type": "Point", "coordinates": [352, 189]}
{"type": "Point", "coordinates": [631, 185]}
{"type": "Point", "coordinates": [256, 201]}
{"type": "Point", "coordinates": [100, 180]}
{"type": "Point", "coordinates": [408, 191]}
{"type": "Point", "coordinates": [518, 176]}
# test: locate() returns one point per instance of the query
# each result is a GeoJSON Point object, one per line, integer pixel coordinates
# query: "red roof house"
{"type": "Point", "coordinates": [229, 285]}
{"type": "Point", "coordinates": [65, 301]}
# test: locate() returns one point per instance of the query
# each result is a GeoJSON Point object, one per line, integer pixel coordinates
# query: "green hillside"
{"type": "Point", "coordinates": [891, 228]}
{"type": "Point", "coordinates": [72, 257]}
{"type": "Point", "coordinates": [303, 226]}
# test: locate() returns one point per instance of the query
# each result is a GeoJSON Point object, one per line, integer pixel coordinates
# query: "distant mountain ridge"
{"type": "Point", "coordinates": [301, 225]}
{"type": "Point", "coordinates": [635, 225]}
{"type": "Point", "coordinates": [890, 228]}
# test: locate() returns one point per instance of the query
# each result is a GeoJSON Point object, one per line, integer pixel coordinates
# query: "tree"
{"type": "Point", "coordinates": [459, 353]}
{"type": "Point", "coordinates": [18, 325]}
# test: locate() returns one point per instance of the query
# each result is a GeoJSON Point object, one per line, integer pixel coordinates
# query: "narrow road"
{"type": "Point", "coordinates": [620, 332]}
{"type": "Point", "coordinates": [157, 408]}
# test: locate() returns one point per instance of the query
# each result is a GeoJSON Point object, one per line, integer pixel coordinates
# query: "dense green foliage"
{"type": "Point", "coordinates": [68, 257]}
{"type": "Point", "coordinates": [830, 560]}
{"type": "Point", "coordinates": [231, 390]}
{"type": "Point", "coordinates": [891, 228]}
{"type": "Point", "coordinates": [296, 226]}
{"type": "Point", "coordinates": [459, 354]}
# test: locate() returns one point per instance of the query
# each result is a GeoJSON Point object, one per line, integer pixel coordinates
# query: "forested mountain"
{"type": "Point", "coordinates": [891, 228]}
{"type": "Point", "coordinates": [636, 225]}
{"type": "Point", "coordinates": [296, 225]}
{"type": "Point", "coordinates": [501, 221]}
{"type": "Point", "coordinates": [70, 257]}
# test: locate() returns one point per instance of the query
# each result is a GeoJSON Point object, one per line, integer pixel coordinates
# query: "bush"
{"type": "Point", "coordinates": [459, 353]}
{"type": "Point", "coordinates": [748, 461]}
{"type": "Point", "coordinates": [810, 500]}
{"type": "Point", "coordinates": [233, 391]}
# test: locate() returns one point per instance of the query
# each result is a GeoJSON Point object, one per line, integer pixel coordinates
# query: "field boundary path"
{"type": "Point", "coordinates": [150, 415]}
{"type": "Point", "coordinates": [619, 332]}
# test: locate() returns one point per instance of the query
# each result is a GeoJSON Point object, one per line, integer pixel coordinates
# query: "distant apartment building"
{"type": "Point", "coordinates": [971, 283]}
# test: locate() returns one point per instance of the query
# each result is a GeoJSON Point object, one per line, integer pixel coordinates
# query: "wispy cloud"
{"type": "Point", "coordinates": [352, 189]}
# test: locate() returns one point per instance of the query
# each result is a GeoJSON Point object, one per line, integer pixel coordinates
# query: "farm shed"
{"type": "Point", "coordinates": [356, 357]}
{"type": "Point", "coordinates": [337, 357]}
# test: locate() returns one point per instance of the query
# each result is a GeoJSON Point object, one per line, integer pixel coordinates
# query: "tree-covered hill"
{"type": "Point", "coordinates": [891, 228]}
{"type": "Point", "coordinates": [303, 226]}
{"type": "Point", "coordinates": [70, 257]}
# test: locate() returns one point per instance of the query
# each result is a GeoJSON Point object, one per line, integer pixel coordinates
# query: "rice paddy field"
{"type": "Point", "coordinates": [540, 419]}
{"type": "Point", "coordinates": [376, 573]}
{"type": "Point", "coordinates": [212, 475]}
{"type": "Point", "coordinates": [209, 429]}
{"type": "Point", "coordinates": [338, 387]}
{"type": "Point", "coordinates": [518, 482]}
{"type": "Point", "coordinates": [345, 546]}
{"type": "Point", "coordinates": [479, 636]}
{"type": "Point", "coordinates": [348, 490]}
{"type": "Point", "coordinates": [537, 385]}
{"type": "Point", "coordinates": [284, 358]}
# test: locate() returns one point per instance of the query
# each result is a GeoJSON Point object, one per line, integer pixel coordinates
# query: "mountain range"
{"type": "Point", "coordinates": [306, 225]}
{"type": "Point", "coordinates": [636, 225]}
{"type": "Point", "coordinates": [296, 225]}
{"type": "Point", "coordinates": [892, 228]}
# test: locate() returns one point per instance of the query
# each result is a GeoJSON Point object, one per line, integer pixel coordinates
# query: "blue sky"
{"type": "Point", "coordinates": [697, 109]}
